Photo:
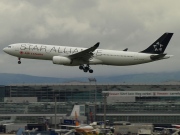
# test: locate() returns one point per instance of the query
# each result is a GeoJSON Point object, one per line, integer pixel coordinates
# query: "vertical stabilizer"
{"type": "Point", "coordinates": [76, 110]}
{"type": "Point", "coordinates": [159, 46]}
{"type": "Point", "coordinates": [78, 113]}
{"type": "Point", "coordinates": [13, 118]}
{"type": "Point", "coordinates": [79, 109]}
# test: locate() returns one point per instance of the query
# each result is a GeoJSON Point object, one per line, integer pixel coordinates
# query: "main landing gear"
{"type": "Point", "coordinates": [19, 60]}
{"type": "Point", "coordinates": [86, 68]}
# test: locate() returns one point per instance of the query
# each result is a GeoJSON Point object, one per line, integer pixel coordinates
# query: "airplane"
{"type": "Point", "coordinates": [81, 129]}
{"type": "Point", "coordinates": [84, 57]}
{"type": "Point", "coordinates": [8, 122]}
{"type": "Point", "coordinates": [76, 125]}
{"type": "Point", "coordinates": [176, 126]}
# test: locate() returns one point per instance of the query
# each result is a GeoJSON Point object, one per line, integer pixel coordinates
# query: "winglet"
{"type": "Point", "coordinates": [97, 44]}
{"type": "Point", "coordinates": [125, 49]}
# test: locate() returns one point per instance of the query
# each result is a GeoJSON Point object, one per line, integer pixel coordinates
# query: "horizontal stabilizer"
{"type": "Point", "coordinates": [156, 57]}
{"type": "Point", "coordinates": [125, 49]}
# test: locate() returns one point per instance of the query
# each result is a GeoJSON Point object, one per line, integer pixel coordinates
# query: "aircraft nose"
{"type": "Point", "coordinates": [5, 49]}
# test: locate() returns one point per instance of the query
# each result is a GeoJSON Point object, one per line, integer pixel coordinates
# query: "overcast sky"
{"type": "Point", "coordinates": [116, 24]}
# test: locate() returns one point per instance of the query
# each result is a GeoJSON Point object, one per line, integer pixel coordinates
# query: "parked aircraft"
{"type": "Point", "coordinates": [84, 57]}
{"type": "Point", "coordinates": [8, 122]}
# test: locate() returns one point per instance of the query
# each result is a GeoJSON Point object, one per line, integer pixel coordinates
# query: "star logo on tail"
{"type": "Point", "coordinates": [158, 47]}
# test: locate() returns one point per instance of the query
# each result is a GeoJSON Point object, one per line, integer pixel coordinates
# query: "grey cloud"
{"type": "Point", "coordinates": [116, 24]}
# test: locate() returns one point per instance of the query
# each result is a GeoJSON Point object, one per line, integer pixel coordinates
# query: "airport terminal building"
{"type": "Point", "coordinates": [136, 103]}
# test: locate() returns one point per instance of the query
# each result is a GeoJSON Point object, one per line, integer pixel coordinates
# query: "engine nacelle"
{"type": "Point", "coordinates": [61, 60]}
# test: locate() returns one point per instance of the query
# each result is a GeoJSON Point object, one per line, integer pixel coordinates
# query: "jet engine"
{"type": "Point", "coordinates": [61, 60]}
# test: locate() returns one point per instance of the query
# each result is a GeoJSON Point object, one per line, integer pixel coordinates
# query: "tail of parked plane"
{"type": "Point", "coordinates": [78, 111]}
{"type": "Point", "coordinates": [13, 118]}
{"type": "Point", "coordinates": [159, 46]}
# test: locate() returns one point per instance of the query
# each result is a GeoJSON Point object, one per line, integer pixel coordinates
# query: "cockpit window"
{"type": "Point", "coordinates": [9, 46]}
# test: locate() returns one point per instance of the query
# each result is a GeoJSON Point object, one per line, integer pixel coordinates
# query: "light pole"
{"type": "Point", "coordinates": [105, 102]}
{"type": "Point", "coordinates": [93, 80]}
{"type": "Point", "coordinates": [95, 91]}
{"type": "Point", "coordinates": [55, 109]}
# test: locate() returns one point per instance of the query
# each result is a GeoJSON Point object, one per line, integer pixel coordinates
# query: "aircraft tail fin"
{"type": "Point", "coordinates": [78, 110]}
{"type": "Point", "coordinates": [159, 46]}
{"type": "Point", "coordinates": [13, 118]}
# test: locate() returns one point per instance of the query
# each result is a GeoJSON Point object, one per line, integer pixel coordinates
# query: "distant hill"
{"type": "Point", "coordinates": [6, 78]}
{"type": "Point", "coordinates": [142, 78]}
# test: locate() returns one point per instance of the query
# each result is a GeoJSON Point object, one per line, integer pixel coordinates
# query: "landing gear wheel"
{"type": "Point", "coordinates": [85, 70]}
{"type": "Point", "coordinates": [81, 67]}
{"type": "Point", "coordinates": [90, 71]}
{"type": "Point", "coordinates": [19, 60]}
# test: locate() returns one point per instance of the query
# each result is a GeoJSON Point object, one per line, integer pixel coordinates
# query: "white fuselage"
{"type": "Point", "coordinates": [100, 56]}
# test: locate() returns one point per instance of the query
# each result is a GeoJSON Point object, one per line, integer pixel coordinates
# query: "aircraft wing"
{"type": "Point", "coordinates": [72, 126]}
{"type": "Point", "coordinates": [5, 124]}
{"type": "Point", "coordinates": [84, 55]}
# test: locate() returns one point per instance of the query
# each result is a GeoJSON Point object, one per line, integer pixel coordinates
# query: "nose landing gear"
{"type": "Point", "coordinates": [86, 68]}
{"type": "Point", "coordinates": [19, 60]}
